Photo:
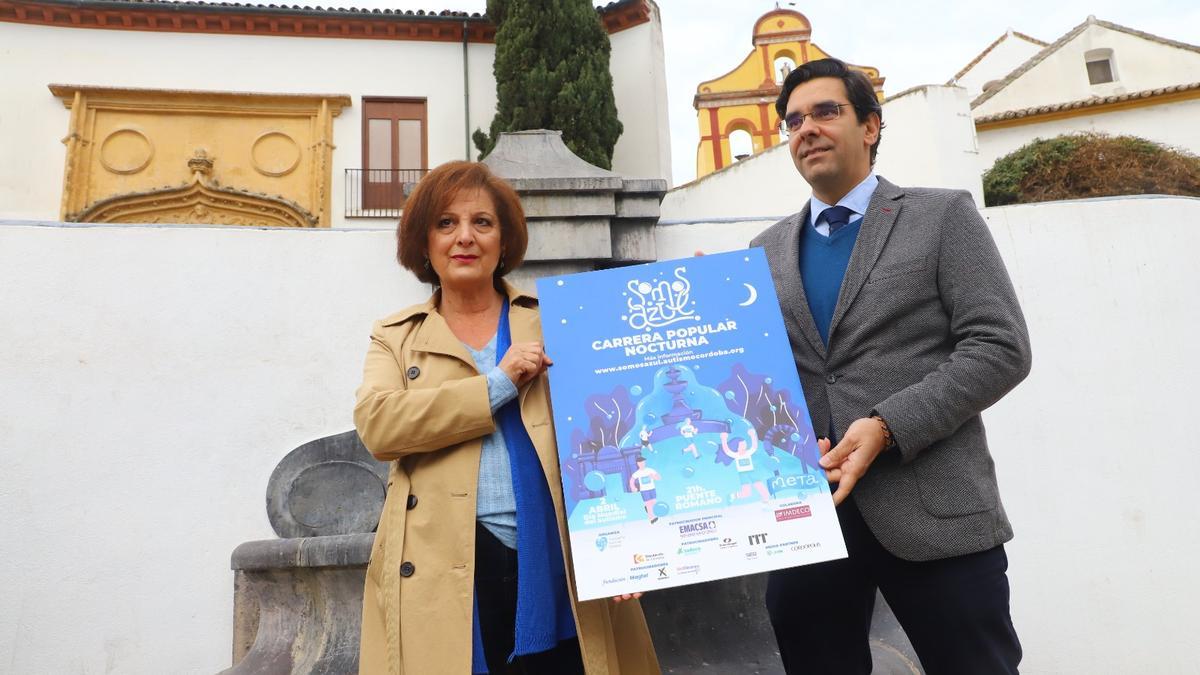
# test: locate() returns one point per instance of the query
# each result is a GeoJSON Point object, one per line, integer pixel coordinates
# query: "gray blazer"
{"type": "Point", "coordinates": [927, 332]}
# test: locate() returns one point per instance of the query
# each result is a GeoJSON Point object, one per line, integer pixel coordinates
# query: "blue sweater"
{"type": "Point", "coordinates": [823, 262]}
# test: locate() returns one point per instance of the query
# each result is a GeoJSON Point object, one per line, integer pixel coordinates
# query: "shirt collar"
{"type": "Point", "coordinates": [857, 199]}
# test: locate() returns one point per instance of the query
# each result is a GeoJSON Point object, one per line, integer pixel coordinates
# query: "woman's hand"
{"type": "Point", "coordinates": [627, 596]}
{"type": "Point", "coordinates": [524, 361]}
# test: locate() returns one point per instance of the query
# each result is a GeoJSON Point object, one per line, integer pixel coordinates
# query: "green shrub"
{"type": "Point", "coordinates": [1084, 165]}
{"type": "Point", "coordinates": [552, 72]}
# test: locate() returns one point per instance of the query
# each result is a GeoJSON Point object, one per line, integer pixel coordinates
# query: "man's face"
{"type": "Point", "coordinates": [832, 156]}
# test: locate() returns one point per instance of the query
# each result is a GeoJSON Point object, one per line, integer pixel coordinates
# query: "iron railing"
{"type": "Point", "coordinates": [379, 193]}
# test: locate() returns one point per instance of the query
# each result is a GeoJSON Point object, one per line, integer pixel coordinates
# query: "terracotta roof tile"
{"type": "Point", "coordinates": [299, 9]}
{"type": "Point", "coordinates": [1086, 103]}
{"type": "Point", "coordinates": [306, 9]}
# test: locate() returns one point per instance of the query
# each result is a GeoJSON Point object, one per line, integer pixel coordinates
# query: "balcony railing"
{"type": "Point", "coordinates": [378, 193]}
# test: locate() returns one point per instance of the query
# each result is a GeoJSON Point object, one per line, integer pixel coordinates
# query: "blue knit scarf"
{"type": "Point", "coordinates": [543, 606]}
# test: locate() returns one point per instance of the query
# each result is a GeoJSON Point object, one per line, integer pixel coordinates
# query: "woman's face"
{"type": "Point", "coordinates": [464, 242]}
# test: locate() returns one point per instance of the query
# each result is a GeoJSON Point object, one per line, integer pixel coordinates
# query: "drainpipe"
{"type": "Point", "coordinates": [466, 97]}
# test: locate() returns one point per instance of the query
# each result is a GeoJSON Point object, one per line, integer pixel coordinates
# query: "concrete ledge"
{"type": "Point", "coordinates": [655, 185]}
{"type": "Point", "coordinates": [569, 239]}
{"type": "Point", "coordinates": [558, 205]}
{"type": "Point", "coordinates": [638, 205]}
{"type": "Point", "coordinates": [633, 240]}
{"type": "Point", "coordinates": [344, 550]}
{"type": "Point", "coordinates": [578, 183]}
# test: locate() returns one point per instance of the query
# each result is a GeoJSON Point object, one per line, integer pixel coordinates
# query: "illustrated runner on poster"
{"type": "Point", "coordinates": [745, 466]}
{"type": "Point", "coordinates": [642, 481]}
{"type": "Point", "coordinates": [644, 435]}
{"type": "Point", "coordinates": [688, 431]}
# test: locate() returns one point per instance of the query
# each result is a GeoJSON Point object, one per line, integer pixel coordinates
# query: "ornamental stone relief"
{"type": "Point", "coordinates": [215, 158]}
{"type": "Point", "coordinates": [274, 153]}
{"type": "Point", "coordinates": [126, 150]}
{"type": "Point", "coordinates": [200, 200]}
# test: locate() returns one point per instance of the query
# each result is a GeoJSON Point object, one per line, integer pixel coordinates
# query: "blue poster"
{"type": "Point", "coordinates": [685, 444]}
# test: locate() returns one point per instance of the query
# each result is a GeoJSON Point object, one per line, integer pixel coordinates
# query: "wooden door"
{"type": "Point", "coordinates": [394, 150]}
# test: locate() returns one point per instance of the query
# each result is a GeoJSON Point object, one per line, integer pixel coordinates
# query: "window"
{"type": "Point", "coordinates": [783, 66]}
{"type": "Point", "coordinates": [1100, 68]}
{"type": "Point", "coordinates": [741, 145]}
{"type": "Point", "coordinates": [394, 152]}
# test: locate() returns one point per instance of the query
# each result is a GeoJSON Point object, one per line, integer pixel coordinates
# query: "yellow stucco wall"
{"type": "Point", "coordinates": [744, 98]}
{"type": "Point", "coordinates": [161, 156]}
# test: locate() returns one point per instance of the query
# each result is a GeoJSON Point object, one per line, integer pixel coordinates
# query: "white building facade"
{"type": "Point", "coordinates": [1099, 77]}
{"type": "Point", "coordinates": [429, 74]}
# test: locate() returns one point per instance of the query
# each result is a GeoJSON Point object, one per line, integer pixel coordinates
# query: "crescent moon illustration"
{"type": "Point", "coordinates": [753, 296]}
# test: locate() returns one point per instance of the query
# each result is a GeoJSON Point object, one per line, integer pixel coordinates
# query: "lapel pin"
{"type": "Point", "coordinates": [885, 209]}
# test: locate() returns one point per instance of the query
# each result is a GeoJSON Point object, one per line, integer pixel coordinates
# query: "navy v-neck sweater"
{"type": "Point", "coordinates": [823, 262]}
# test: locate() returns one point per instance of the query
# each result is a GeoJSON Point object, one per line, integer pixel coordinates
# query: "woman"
{"type": "Point", "coordinates": [470, 571]}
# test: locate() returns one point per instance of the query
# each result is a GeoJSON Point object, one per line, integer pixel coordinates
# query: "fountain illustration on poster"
{"type": "Point", "coordinates": [685, 446]}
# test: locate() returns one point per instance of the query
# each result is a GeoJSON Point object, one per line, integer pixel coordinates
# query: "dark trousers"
{"type": "Point", "coordinates": [954, 611]}
{"type": "Point", "coordinates": [496, 593]}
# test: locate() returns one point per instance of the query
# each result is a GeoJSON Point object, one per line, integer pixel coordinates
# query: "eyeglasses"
{"type": "Point", "coordinates": [826, 111]}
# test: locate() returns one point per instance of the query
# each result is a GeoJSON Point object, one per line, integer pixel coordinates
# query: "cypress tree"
{"type": "Point", "coordinates": [551, 72]}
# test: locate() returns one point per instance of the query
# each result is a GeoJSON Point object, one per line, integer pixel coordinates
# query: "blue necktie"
{"type": "Point", "coordinates": [837, 217]}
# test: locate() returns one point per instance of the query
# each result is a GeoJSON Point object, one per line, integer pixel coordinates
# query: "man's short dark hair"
{"type": "Point", "coordinates": [859, 90]}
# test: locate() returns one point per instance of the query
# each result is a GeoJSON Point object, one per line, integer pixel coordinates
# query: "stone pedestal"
{"type": "Point", "coordinates": [298, 600]}
{"type": "Point", "coordinates": [298, 605]}
{"type": "Point", "coordinates": [580, 217]}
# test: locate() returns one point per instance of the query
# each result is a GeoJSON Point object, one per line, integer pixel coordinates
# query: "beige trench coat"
{"type": "Point", "coordinates": [423, 406]}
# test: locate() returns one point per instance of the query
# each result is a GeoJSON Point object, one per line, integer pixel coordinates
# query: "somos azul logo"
{"type": "Point", "coordinates": [658, 303]}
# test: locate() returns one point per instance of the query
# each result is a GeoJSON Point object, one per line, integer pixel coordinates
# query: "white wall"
{"type": "Point", "coordinates": [1096, 451]}
{"type": "Point", "coordinates": [1140, 64]}
{"type": "Point", "coordinates": [639, 73]}
{"type": "Point", "coordinates": [1004, 58]}
{"type": "Point", "coordinates": [151, 378]}
{"type": "Point", "coordinates": [928, 140]}
{"type": "Point", "coordinates": [33, 121]}
{"type": "Point", "coordinates": [1172, 124]}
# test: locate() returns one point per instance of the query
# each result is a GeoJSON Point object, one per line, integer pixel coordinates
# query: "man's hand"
{"type": "Point", "coordinates": [627, 596]}
{"type": "Point", "coordinates": [845, 463]}
{"type": "Point", "coordinates": [524, 361]}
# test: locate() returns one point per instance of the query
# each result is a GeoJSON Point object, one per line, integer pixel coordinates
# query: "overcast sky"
{"type": "Point", "coordinates": [911, 43]}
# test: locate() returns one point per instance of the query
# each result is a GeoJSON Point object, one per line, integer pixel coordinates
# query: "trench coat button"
{"type": "Point", "coordinates": [407, 569]}
{"type": "Point", "coordinates": [830, 379]}
{"type": "Point", "coordinates": [414, 372]}
{"type": "Point", "coordinates": [412, 502]}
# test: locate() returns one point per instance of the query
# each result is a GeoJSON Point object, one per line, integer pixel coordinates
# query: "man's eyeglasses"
{"type": "Point", "coordinates": [827, 111]}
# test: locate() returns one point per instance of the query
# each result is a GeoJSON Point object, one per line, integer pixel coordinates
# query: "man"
{"type": "Point", "coordinates": [904, 326]}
